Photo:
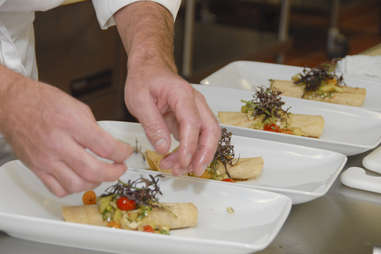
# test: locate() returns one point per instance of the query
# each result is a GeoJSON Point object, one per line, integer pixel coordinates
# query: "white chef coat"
{"type": "Point", "coordinates": [17, 35]}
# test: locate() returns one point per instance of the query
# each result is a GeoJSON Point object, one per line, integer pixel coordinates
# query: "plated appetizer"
{"type": "Point", "coordinates": [224, 167]}
{"type": "Point", "coordinates": [265, 112]}
{"type": "Point", "coordinates": [320, 85]}
{"type": "Point", "coordinates": [133, 205]}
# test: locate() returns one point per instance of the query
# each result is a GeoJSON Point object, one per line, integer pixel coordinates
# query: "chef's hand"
{"type": "Point", "coordinates": [164, 103]}
{"type": "Point", "coordinates": [161, 100]}
{"type": "Point", "coordinates": [50, 132]}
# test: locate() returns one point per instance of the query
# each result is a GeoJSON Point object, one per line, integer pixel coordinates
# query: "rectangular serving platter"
{"type": "Point", "coordinates": [29, 211]}
{"type": "Point", "coordinates": [347, 130]}
{"type": "Point", "coordinates": [301, 173]}
{"type": "Point", "coordinates": [248, 75]}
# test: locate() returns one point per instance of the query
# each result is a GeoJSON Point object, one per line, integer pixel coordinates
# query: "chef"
{"type": "Point", "coordinates": [50, 131]}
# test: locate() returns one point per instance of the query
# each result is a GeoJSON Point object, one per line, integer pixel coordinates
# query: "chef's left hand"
{"type": "Point", "coordinates": [164, 103]}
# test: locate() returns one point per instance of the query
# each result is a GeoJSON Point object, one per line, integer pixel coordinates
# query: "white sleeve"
{"type": "Point", "coordinates": [105, 9]}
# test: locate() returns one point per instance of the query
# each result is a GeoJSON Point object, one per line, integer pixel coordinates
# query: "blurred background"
{"type": "Point", "coordinates": [88, 63]}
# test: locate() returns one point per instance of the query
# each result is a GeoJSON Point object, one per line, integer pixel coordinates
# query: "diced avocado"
{"type": "Point", "coordinates": [117, 215]}
{"type": "Point", "coordinates": [132, 216]}
{"type": "Point", "coordinates": [329, 86]}
{"type": "Point", "coordinates": [244, 109]}
{"type": "Point", "coordinates": [104, 203]}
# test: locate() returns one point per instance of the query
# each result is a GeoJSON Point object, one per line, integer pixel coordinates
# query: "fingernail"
{"type": "Point", "coordinates": [161, 144]}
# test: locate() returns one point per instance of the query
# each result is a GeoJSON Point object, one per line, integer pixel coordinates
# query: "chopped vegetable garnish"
{"type": "Point", "coordinates": [230, 210]}
{"type": "Point", "coordinates": [265, 102]}
{"type": "Point", "coordinates": [113, 224]}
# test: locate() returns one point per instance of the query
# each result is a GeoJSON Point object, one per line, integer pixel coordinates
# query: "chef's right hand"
{"type": "Point", "coordinates": [50, 131]}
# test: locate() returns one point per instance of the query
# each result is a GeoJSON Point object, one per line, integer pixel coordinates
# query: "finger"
{"type": "Point", "coordinates": [52, 184]}
{"type": "Point", "coordinates": [172, 125]}
{"type": "Point", "coordinates": [153, 123]}
{"type": "Point", "coordinates": [69, 180]}
{"type": "Point", "coordinates": [209, 137]}
{"type": "Point", "coordinates": [87, 166]}
{"type": "Point", "coordinates": [170, 162]}
{"type": "Point", "coordinates": [93, 137]}
{"type": "Point", "coordinates": [188, 118]}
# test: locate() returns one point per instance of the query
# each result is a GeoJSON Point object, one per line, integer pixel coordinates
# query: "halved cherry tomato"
{"type": "Point", "coordinates": [228, 180]}
{"type": "Point", "coordinates": [148, 228]}
{"type": "Point", "coordinates": [271, 127]}
{"type": "Point", "coordinates": [126, 204]}
{"type": "Point", "coordinates": [275, 128]}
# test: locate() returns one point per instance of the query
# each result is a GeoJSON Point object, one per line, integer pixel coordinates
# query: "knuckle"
{"type": "Point", "coordinates": [217, 131]}
{"type": "Point", "coordinates": [188, 89]}
{"type": "Point", "coordinates": [154, 130]}
{"type": "Point", "coordinates": [194, 122]}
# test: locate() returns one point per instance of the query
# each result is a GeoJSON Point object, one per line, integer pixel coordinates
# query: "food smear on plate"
{"type": "Point", "coordinates": [265, 112]}
{"type": "Point", "coordinates": [133, 205]}
{"type": "Point", "coordinates": [224, 167]}
{"type": "Point", "coordinates": [320, 84]}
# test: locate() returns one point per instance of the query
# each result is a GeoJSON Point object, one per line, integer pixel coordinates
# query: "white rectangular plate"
{"type": "Point", "coordinates": [347, 130]}
{"type": "Point", "coordinates": [248, 75]}
{"type": "Point", "coordinates": [301, 173]}
{"type": "Point", "coordinates": [29, 211]}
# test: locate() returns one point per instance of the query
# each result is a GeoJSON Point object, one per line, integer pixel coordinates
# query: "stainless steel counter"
{"type": "Point", "coordinates": [345, 221]}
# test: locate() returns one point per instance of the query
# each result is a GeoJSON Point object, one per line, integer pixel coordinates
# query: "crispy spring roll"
{"type": "Point", "coordinates": [303, 125]}
{"type": "Point", "coordinates": [244, 168]}
{"type": "Point", "coordinates": [287, 88]}
{"type": "Point", "coordinates": [171, 215]}
{"type": "Point", "coordinates": [352, 96]}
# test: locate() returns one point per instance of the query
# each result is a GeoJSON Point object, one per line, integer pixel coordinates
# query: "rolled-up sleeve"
{"type": "Point", "coordinates": [105, 9]}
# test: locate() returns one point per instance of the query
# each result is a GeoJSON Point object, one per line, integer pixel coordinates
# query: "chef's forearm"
{"type": "Point", "coordinates": [146, 29]}
{"type": "Point", "coordinates": [10, 82]}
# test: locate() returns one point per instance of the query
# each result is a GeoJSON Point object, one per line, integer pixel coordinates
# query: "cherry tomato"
{"type": "Point", "coordinates": [148, 228]}
{"type": "Point", "coordinates": [125, 204]}
{"type": "Point", "coordinates": [89, 198]}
